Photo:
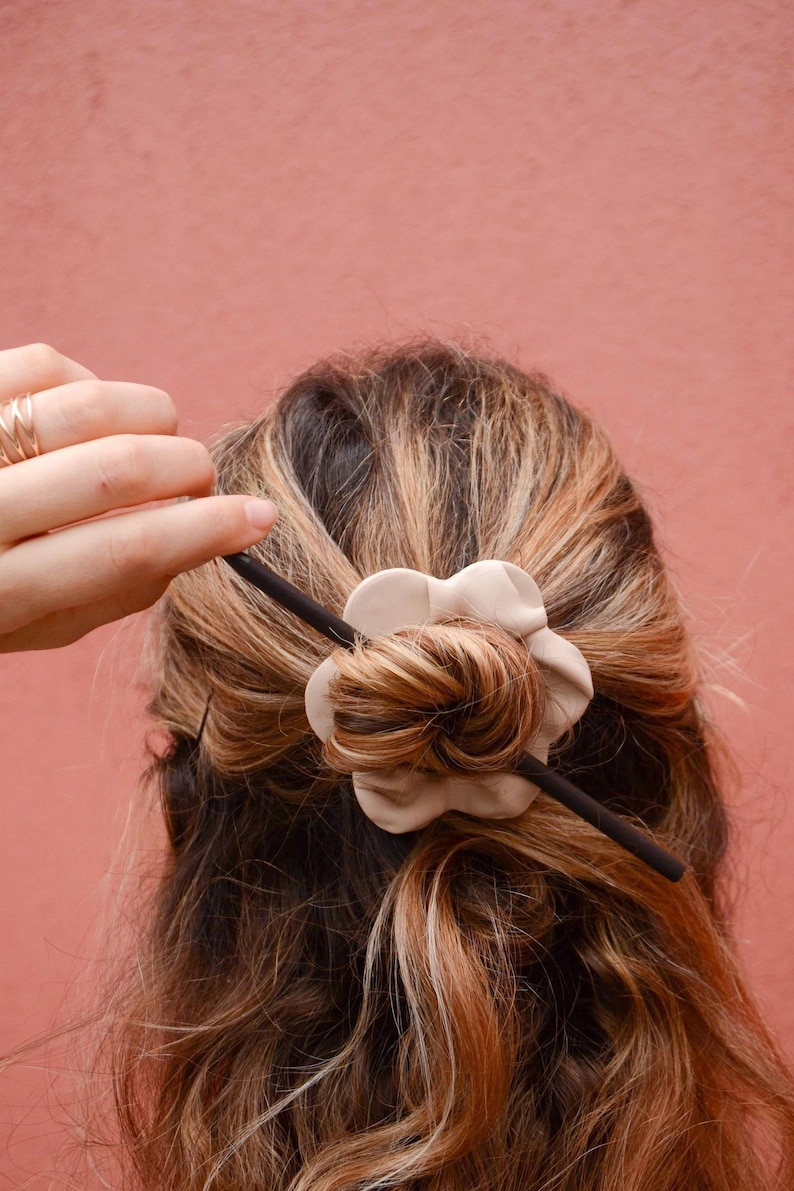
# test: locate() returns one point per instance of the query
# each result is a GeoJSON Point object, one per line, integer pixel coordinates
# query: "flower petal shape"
{"type": "Point", "coordinates": [405, 799]}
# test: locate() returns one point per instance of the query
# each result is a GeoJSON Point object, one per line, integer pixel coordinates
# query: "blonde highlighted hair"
{"type": "Point", "coordinates": [319, 1006]}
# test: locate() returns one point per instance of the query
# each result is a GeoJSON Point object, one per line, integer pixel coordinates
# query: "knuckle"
{"type": "Point", "coordinates": [226, 521]}
{"type": "Point", "coordinates": [123, 468]}
{"type": "Point", "coordinates": [43, 360]}
{"type": "Point", "coordinates": [132, 553]}
{"type": "Point", "coordinates": [85, 414]}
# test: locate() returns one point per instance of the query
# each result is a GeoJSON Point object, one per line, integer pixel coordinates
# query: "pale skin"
{"type": "Point", "coordinates": [107, 447]}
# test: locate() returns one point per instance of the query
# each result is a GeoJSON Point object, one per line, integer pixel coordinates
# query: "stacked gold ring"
{"type": "Point", "coordinates": [18, 440]}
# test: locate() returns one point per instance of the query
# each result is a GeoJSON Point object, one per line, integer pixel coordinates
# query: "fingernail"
{"type": "Point", "coordinates": [261, 514]}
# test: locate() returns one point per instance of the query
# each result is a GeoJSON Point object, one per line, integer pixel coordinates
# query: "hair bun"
{"type": "Point", "coordinates": [451, 697]}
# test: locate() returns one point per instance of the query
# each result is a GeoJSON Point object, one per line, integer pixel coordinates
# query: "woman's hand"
{"type": "Point", "coordinates": [104, 446]}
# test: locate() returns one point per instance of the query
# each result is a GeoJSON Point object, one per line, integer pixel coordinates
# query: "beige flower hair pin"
{"type": "Point", "coordinates": [404, 799]}
{"type": "Point", "coordinates": [502, 594]}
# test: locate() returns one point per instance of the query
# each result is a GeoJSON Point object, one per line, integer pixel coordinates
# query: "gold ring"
{"type": "Point", "coordinates": [18, 439]}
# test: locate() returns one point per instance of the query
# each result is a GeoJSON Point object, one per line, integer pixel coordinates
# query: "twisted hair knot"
{"type": "Point", "coordinates": [451, 697]}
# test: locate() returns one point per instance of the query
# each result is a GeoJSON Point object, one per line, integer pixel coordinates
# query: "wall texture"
{"type": "Point", "coordinates": [208, 196]}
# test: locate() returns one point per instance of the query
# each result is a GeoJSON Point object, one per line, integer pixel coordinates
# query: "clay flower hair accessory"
{"type": "Point", "coordinates": [405, 799]}
{"type": "Point", "coordinates": [340, 632]}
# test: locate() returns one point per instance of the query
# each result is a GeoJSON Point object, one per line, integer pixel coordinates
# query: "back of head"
{"type": "Point", "coordinates": [479, 1004]}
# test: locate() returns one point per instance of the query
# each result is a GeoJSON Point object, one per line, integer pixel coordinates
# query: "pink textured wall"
{"type": "Point", "coordinates": [208, 196]}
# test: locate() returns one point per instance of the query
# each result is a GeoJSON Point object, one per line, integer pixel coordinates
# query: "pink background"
{"type": "Point", "coordinates": [209, 196]}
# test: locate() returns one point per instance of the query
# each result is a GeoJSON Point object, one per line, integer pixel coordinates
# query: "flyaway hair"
{"type": "Point", "coordinates": [517, 1005]}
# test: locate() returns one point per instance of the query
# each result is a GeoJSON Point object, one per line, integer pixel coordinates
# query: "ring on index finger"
{"type": "Point", "coordinates": [18, 439]}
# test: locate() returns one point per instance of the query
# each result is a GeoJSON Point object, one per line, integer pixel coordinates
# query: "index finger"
{"type": "Point", "coordinates": [35, 367]}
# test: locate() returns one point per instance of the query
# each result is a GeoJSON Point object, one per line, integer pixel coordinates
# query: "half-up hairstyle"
{"type": "Point", "coordinates": [478, 1006]}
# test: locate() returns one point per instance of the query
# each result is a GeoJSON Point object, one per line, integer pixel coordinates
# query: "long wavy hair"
{"type": "Point", "coordinates": [481, 1005]}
